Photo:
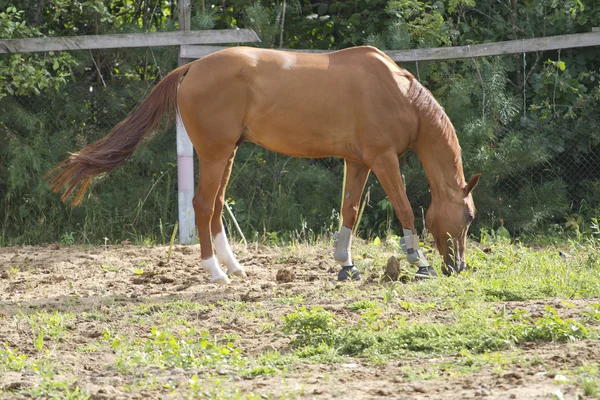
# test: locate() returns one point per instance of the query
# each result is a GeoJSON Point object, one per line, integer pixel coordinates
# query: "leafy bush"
{"type": "Point", "coordinates": [310, 327]}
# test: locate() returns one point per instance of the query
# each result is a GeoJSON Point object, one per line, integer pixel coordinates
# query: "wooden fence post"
{"type": "Point", "coordinates": [185, 155]}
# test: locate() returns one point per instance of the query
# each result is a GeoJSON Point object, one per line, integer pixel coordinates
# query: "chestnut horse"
{"type": "Point", "coordinates": [356, 104]}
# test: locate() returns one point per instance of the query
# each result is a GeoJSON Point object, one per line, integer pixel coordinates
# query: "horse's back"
{"type": "Point", "coordinates": [362, 62]}
{"type": "Point", "coordinates": [297, 103]}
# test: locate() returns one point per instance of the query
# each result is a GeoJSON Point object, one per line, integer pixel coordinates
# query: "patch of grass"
{"type": "Point", "coordinates": [168, 314]}
{"type": "Point", "coordinates": [164, 349]}
{"type": "Point", "coordinates": [261, 370]}
{"type": "Point", "coordinates": [320, 354]}
{"type": "Point", "coordinates": [13, 272]}
{"type": "Point", "coordinates": [50, 384]}
{"type": "Point", "coordinates": [110, 268]}
{"type": "Point", "coordinates": [549, 328]}
{"type": "Point", "coordinates": [96, 316]}
{"type": "Point", "coordinates": [216, 388]}
{"type": "Point", "coordinates": [49, 326]}
{"type": "Point", "coordinates": [590, 385]}
{"type": "Point", "coordinates": [92, 347]}
{"type": "Point", "coordinates": [54, 388]}
{"type": "Point", "coordinates": [250, 311]}
{"type": "Point", "coordinates": [477, 330]}
{"type": "Point", "coordinates": [592, 316]}
{"type": "Point", "coordinates": [310, 327]}
{"type": "Point", "coordinates": [288, 300]}
{"type": "Point", "coordinates": [174, 308]}
{"type": "Point", "coordinates": [363, 305]}
{"type": "Point", "coordinates": [464, 363]}
{"type": "Point", "coordinates": [439, 328]}
{"type": "Point", "coordinates": [11, 361]}
{"type": "Point", "coordinates": [275, 360]}
{"type": "Point", "coordinates": [587, 377]}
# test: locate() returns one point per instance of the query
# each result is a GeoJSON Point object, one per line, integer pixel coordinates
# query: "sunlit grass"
{"type": "Point", "coordinates": [513, 299]}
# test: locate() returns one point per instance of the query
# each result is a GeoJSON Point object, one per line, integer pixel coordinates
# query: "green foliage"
{"type": "Point", "coordinates": [438, 329]}
{"type": "Point", "coordinates": [49, 326]}
{"type": "Point", "coordinates": [29, 74]}
{"type": "Point", "coordinates": [473, 330]}
{"type": "Point", "coordinates": [310, 327]}
{"type": "Point", "coordinates": [11, 361]}
{"type": "Point", "coordinates": [363, 305]}
{"type": "Point", "coordinates": [587, 377]}
{"type": "Point", "coordinates": [549, 328]}
{"type": "Point", "coordinates": [478, 310]}
{"type": "Point", "coordinates": [263, 21]}
{"type": "Point", "coordinates": [163, 349]}
{"type": "Point", "coordinates": [50, 384]}
{"type": "Point", "coordinates": [529, 124]}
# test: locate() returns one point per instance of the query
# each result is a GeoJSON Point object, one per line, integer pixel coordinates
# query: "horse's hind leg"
{"type": "Point", "coordinates": [356, 177]}
{"type": "Point", "coordinates": [222, 248]}
{"type": "Point", "coordinates": [387, 170]}
{"type": "Point", "coordinates": [212, 170]}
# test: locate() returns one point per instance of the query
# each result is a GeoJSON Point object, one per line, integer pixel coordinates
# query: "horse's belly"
{"type": "Point", "coordinates": [298, 143]}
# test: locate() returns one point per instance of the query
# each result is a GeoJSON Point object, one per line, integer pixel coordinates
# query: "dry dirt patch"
{"type": "Point", "coordinates": [126, 289]}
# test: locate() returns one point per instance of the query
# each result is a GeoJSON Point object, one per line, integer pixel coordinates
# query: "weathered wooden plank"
{"type": "Point", "coordinates": [197, 51]}
{"type": "Point", "coordinates": [128, 40]}
{"type": "Point", "coordinates": [498, 48]}
{"type": "Point", "coordinates": [448, 53]}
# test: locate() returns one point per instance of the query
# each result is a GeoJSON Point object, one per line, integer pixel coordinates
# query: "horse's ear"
{"type": "Point", "coordinates": [472, 184]}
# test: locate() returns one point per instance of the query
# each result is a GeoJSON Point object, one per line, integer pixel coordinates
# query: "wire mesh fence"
{"type": "Point", "coordinates": [540, 165]}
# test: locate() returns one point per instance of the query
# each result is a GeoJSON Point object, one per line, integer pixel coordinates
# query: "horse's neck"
{"type": "Point", "coordinates": [440, 155]}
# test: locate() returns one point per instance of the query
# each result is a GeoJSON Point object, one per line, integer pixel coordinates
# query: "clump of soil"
{"type": "Point", "coordinates": [394, 272]}
{"type": "Point", "coordinates": [285, 275]}
{"type": "Point", "coordinates": [392, 269]}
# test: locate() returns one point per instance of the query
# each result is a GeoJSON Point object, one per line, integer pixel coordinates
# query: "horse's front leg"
{"type": "Point", "coordinates": [356, 177]}
{"type": "Point", "coordinates": [387, 170]}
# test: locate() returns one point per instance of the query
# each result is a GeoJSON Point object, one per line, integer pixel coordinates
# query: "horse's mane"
{"type": "Point", "coordinates": [424, 101]}
{"type": "Point", "coordinates": [430, 109]}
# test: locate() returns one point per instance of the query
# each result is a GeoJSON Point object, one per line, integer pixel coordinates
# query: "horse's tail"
{"type": "Point", "coordinates": [114, 149]}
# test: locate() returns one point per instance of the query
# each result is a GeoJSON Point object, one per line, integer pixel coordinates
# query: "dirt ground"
{"type": "Point", "coordinates": [96, 279]}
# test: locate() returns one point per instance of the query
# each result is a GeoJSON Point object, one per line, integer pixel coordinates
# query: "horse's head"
{"type": "Point", "coordinates": [448, 221]}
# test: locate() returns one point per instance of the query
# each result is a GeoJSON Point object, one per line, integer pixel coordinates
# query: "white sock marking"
{"type": "Point", "coordinates": [212, 265]}
{"type": "Point", "coordinates": [226, 256]}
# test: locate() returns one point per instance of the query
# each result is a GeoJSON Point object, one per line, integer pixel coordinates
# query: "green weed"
{"type": "Point", "coordinates": [475, 330]}
{"type": "Point", "coordinates": [310, 327]}
{"type": "Point", "coordinates": [588, 378]}
{"type": "Point", "coordinates": [363, 305]}
{"type": "Point", "coordinates": [110, 268]}
{"type": "Point", "coordinates": [592, 316]}
{"type": "Point", "coordinates": [49, 326]}
{"type": "Point", "coordinates": [216, 388]}
{"type": "Point", "coordinates": [549, 328]}
{"type": "Point", "coordinates": [11, 361]}
{"type": "Point", "coordinates": [163, 349]}
{"type": "Point", "coordinates": [291, 300]}
{"type": "Point", "coordinates": [50, 385]}
{"type": "Point", "coordinates": [67, 239]}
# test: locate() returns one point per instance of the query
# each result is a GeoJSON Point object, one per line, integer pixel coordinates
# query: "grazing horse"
{"type": "Point", "coordinates": [356, 104]}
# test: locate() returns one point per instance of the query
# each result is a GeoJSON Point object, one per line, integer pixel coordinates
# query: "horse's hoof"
{"type": "Point", "coordinates": [349, 273]}
{"type": "Point", "coordinates": [456, 270]}
{"type": "Point", "coordinates": [240, 273]}
{"type": "Point", "coordinates": [220, 280]}
{"type": "Point", "coordinates": [425, 272]}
